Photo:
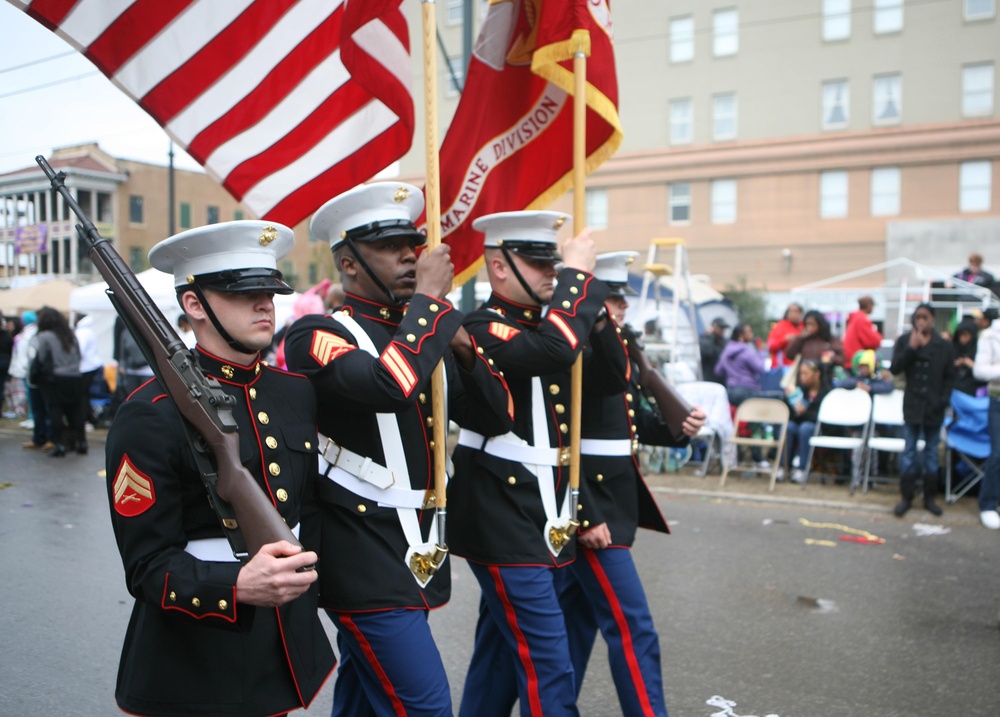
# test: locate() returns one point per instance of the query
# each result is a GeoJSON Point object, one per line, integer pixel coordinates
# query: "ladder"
{"type": "Point", "coordinates": [677, 323]}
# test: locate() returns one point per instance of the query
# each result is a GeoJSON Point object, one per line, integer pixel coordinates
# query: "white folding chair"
{"type": "Point", "coordinates": [887, 412]}
{"type": "Point", "coordinates": [846, 408]}
{"type": "Point", "coordinates": [718, 428]}
{"type": "Point", "coordinates": [760, 410]}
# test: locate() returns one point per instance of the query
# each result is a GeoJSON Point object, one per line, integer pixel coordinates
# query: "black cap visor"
{"type": "Point", "coordinates": [386, 229]}
{"type": "Point", "coordinates": [534, 250]}
{"type": "Point", "coordinates": [243, 280]}
{"type": "Point", "coordinates": [621, 288]}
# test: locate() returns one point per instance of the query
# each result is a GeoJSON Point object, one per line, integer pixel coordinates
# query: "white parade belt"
{"type": "Point", "coordinates": [512, 448]}
{"type": "Point", "coordinates": [355, 474]}
{"type": "Point", "coordinates": [217, 550]}
{"type": "Point", "coordinates": [605, 447]}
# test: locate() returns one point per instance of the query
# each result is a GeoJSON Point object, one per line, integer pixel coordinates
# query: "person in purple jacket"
{"type": "Point", "coordinates": [741, 365]}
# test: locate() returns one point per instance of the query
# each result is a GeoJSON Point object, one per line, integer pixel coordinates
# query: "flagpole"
{"type": "Point", "coordinates": [432, 199]}
{"type": "Point", "coordinates": [579, 220]}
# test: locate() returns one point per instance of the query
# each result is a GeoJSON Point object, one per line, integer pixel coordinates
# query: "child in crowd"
{"type": "Point", "coordinates": [804, 401]}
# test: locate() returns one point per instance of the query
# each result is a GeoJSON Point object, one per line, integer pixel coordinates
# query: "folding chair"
{"type": "Point", "coordinates": [718, 428]}
{"type": "Point", "coordinates": [847, 408]}
{"type": "Point", "coordinates": [887, 412]}
{"type": "Point", "coordinates": [967, 436]}
{"type": "Point", "coordinates": [760, 410]}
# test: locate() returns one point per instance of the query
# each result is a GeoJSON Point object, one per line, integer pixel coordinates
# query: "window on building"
{"type": "Point", "coordinates": [836, 104]}
{"type": "Point", "coordinates": [136, 258]}
{"type": "Point", "coordinates": [832, 195]}
{"type": "Point", "coordinates": [976, 186]}
{"type": "Point", "coordinates": [887, 16]}
{"type": "Point", "coordinates": [724, 116]}
{"type": "Point", "coordinates": [104, 205]}
{"type": "Point", "coordinates": [980, 9]}
{"type": "Point", "coordinates": [237, 215]}
{"type": "Point", "coordinates": [723, 201]}
{"type": "Point", "coordinates": [454, 12]}
{"type": "Point", "coordinates": [680, 203]}
{"type": "Point", "coordinates": [836, 19]}
{"type": "Point", "coordinates": [887, 99]}
{"type": "Point", "coordinates": [212, 215]}
{"type": "Point", "coordinates": [185, 215]}
{"type": "Point", "coordinates": [885, 192]}
{"type": "Point", "coordinates": [682, 39]}
{"type": "Point", "coordinates": [135, 214]}
{"type": "Point", "coordinates": [977, 90]}
{"type": "Point", "coordinates": [454, 77]}
{"type": "Point", "coordinates": [84, 197]}
{"type": "Point", "coordinates": [597, 208]}
{"type": "Point", "coordinates": [680, 121]}
{"type": "Point", "coordinates": [725, 32]}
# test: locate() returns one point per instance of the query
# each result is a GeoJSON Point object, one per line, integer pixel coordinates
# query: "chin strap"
{"type": "Point", "coordinates": [233, 343]}
{"type": "Point", "coordinates": [517, 274]}
{"type": "Point", "coordinates": [364, 264]}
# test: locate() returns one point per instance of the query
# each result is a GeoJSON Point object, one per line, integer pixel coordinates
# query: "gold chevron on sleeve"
{"type": "Point", "coordinates": [327, 346]}
{"type": "Point", "coordinates": [503, 331]}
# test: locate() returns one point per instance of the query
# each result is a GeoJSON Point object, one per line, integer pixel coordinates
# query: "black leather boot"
{"type": "Point", "coordinates": [59, 451]}
{"type": "Point", "coordinates": [930, 490]}
{"type": "Point", "coordinates": [907, 488]}
{"type": "Point", "coordinates": [81, 448]}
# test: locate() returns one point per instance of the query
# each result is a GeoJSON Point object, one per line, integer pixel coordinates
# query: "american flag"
{"type": "Point", "coordinates": [285, 102]}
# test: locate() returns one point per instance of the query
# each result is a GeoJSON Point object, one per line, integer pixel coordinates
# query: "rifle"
{"type": "Point", "coordinates": [208, 409]}
{"type": "Point", "coordinates": [673, 407]}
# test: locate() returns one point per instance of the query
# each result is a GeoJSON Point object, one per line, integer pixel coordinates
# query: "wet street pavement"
{"type": "Point", "coordinates": [766, 605]}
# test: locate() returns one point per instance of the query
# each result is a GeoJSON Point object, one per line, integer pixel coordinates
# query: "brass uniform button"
{"type": "Point", "coordinates": [600, 477]}
{"type": "Point", "coordinates": [430, 421]}
{"type": "Point", "coordinates": [634, 429]}
{"type": "Point", "coordinates": [281, 494]}
{"type": "Point", "coordinates": [430, 444]}
{"type": "Point", "coordinates": [512, 480]}
{"type": "Point", "coordinates": [173, 596]}
{"type": "Point", "coordinates": [309, 445]}
{"type": "Point", "coordinates": [579, 506]}
{"type": "Point", "coordinates": [271, 442]}
{"type": "Point", "coordinates": [560, 408]}
{"type": "Point", "coordinates": [253, 394]}
{"type": "Point", "coordinates": [489, 361]}
{"type": "Point", "coordinates": [574, 290]}
{"type": "Point", "coordinates": [362, 508]}
{"type": "Point", "coordinates": [422, 321]}
{"type": "Point", "coordinates": [566, 304]}
{"type": "Point", "coordinates": [196, 602]}
{"type": "Point", "coordinates": [228, 371]}
{"type": "Point", "coordinates": [586, 524]}
{"type": "Point", "coordinates": [479, 349]}
{"type": "Point", "coordinates": [411, 338]}
{"type": "Point", "coordinates": [564, 428]}
{"type": "Point", "coordinates": [554, 389]}
{"type": "Point", "coordinates": [434, 307]}
{"type": "Point", "coordinates": [631, 413]}
{"type": "Point", "coordinates": [262, 417]}
{"type": "Point", "coordinates": [528, 314]}
{"type": "Point", "coordinates": [423, 398]}
{"type": "Point", "coordinates": [628, 397]}
{"type": "Point", "coordinates": [256, 369]}
{"type": "Point", "coordinates": [581, 277]}
{"type": "Point", "coordinates": [384, 313]}
{"type": "Point", "coordinates": [274, 469]}
{"type": "Point", "coordinates": [223, 604]}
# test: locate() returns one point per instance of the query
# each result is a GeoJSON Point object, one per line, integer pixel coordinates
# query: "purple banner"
{"type": "Point", "coordinates": [31, 239]}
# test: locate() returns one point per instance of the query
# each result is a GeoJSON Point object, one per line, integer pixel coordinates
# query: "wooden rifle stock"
{"type": "Point", "coordinates": [673, 407]}
{"type": "Point", "coordinates": [199, 398]}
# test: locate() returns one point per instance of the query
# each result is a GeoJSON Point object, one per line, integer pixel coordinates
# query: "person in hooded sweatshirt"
{"type": "Point", "coordinates": [860, 333]}
{"type": "Point", "coordinates": [740, 365]}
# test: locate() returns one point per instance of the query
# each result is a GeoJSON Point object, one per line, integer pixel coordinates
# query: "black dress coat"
{"type": "Point", "coordinates": [930, 377]}
{"type": "Point", "coordinates": [190, 647]}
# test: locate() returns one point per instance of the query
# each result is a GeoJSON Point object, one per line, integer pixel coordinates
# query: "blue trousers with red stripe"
{"type": "Point", "coordinates": [602, 591]}
{"type": "Point", "coordinates": [389, 666]}
{"type": "Point", "coordinates": [520, 633]}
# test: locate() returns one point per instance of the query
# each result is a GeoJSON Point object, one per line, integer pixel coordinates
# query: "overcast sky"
{"type": "Point", "coordinates": [87, 109]}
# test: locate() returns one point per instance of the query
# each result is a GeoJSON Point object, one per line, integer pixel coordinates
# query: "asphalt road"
{"type": "Point", "coordinates": [759, 613]}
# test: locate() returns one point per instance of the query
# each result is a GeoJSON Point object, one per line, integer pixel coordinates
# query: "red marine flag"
{"type": "Point", "coordinates": [285, 102]}
{"type": "Point", "coordinates": [510, 144]}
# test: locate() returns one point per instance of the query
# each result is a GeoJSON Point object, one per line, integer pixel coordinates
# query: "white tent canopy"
{"type": "Point", "coordinates": [92, 300]}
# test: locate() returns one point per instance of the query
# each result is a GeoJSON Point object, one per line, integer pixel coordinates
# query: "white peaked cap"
{"type": "Point", "coordinates": [229, 246]}
{"type": "Point", "coordinates": [365, 205]}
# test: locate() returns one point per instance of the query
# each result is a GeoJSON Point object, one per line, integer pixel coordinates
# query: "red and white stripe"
{"type": "Point", "coordinates": [286, 102]}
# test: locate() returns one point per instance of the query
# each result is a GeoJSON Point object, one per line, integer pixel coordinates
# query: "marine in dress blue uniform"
{"type": "Point", "coordinates": [370, 364]}
{"type": "Point", "coordinates": [602, 589]}
{"type": "Point", "coordinates": [509, 491]}
{"type": "Point", "coordinates": [204, 637]}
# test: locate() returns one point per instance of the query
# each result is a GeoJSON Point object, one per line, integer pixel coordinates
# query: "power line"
{"type": "Point", "coordinates": [50, 84]}
{"type": "Point", "coordinates": [38, 61]}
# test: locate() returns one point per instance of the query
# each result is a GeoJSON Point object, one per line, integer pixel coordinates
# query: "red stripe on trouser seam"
{"type": "Point", "coordinates": [534, 699]}
{"type": "Point", "coordinates": [627, 647]}
{"type": "Point", "coordinates": [397, 705]}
